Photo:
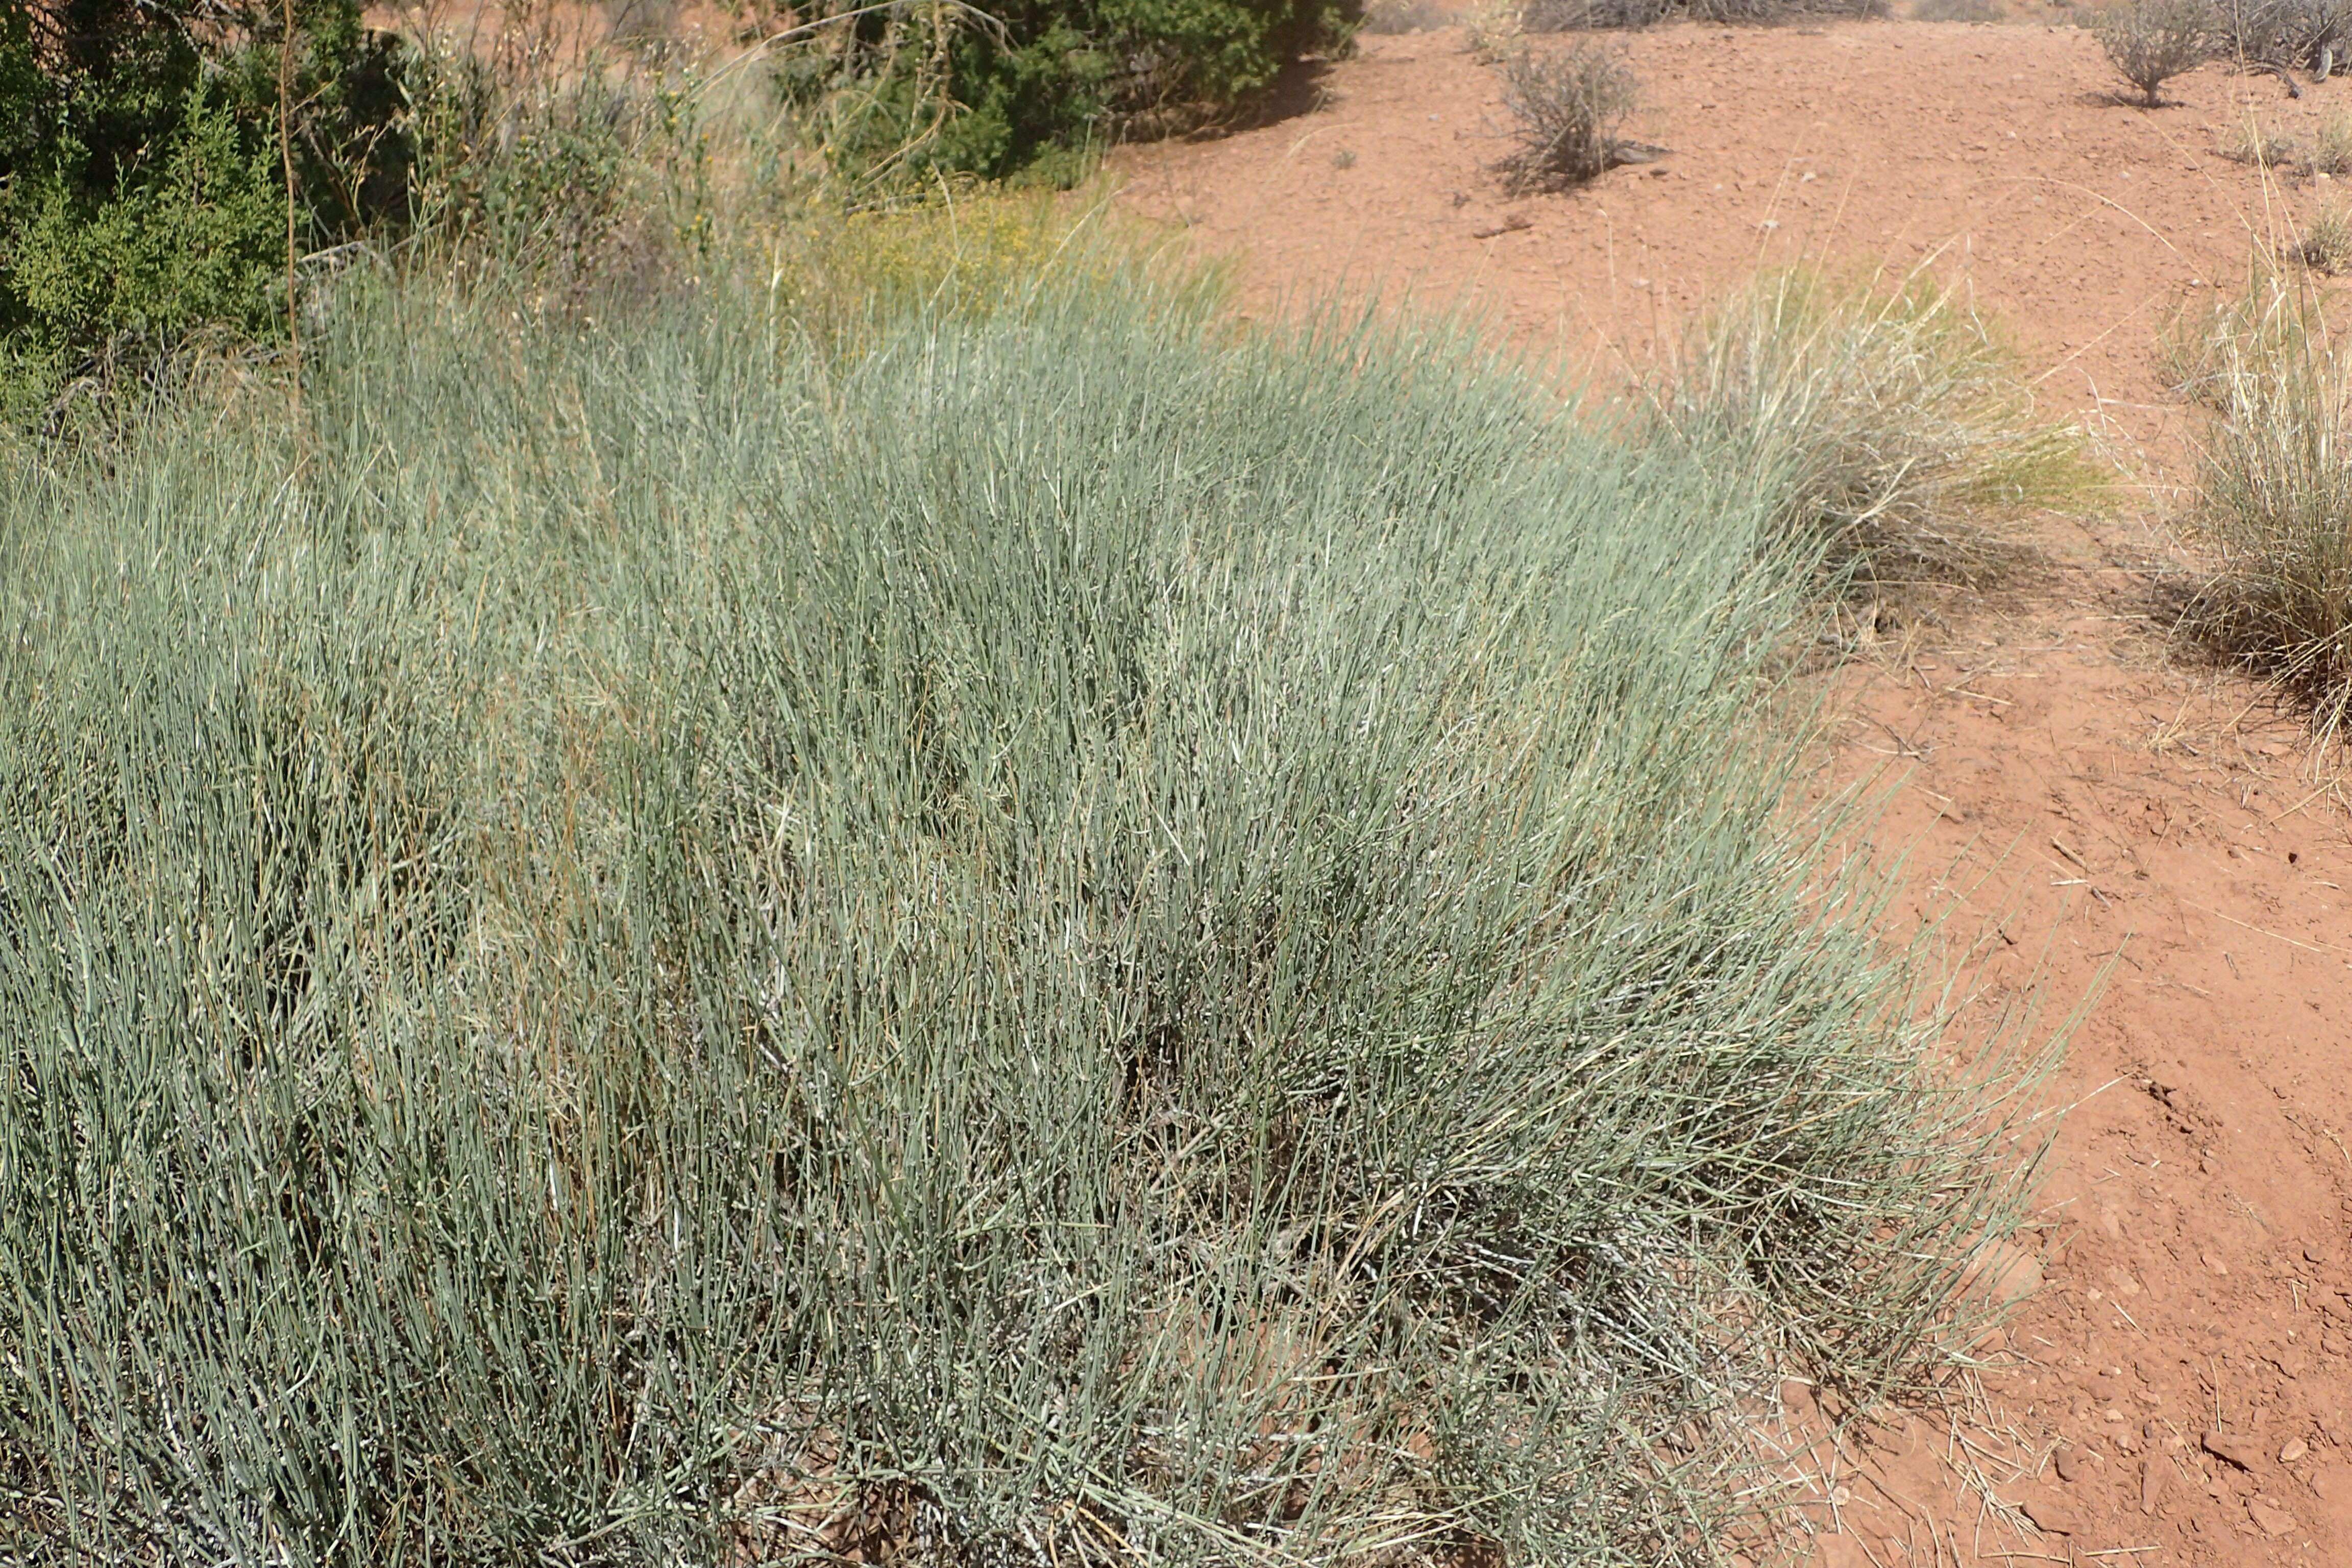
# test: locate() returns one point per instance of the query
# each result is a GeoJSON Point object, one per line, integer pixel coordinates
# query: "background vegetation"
{"type": "Point", "coordinates": [143, 192]}
{"type": "Point", "coordinates": [146, 199]}
{"type": "Point", "coordinates": [1027, 88]}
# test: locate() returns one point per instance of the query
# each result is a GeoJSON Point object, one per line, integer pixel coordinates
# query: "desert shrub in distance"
{"type": "Point", "coordinates": [1026, 88]}
{"type": "Point", "coordinates": [2285, 35]}
{"type": "Point", "coordinates": [1605, 16]}
{"type": "Point", "coordinates": [1566, 107]}
{"type": "Point", "coordinates": [2149, 42]}
{"type": "Point", "coordinates": [1956, 11]}
{"type": "Point", "coordinates": [1389, 17]}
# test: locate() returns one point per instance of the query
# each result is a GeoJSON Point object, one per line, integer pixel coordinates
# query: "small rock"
{"type": "Point", "coordinates": [1841, 1551]}
{"type": "Point", "coordinates": [2051, 1516]}
{"type": "Point", "coordinates": [2213, 1265]}
{"type": "Point", "coordinates": [2070, 1464]}
{"type": "Point", "coordinates": [2152, 1476]}
{"type": "Point", "coordinates": [2234, 1450]}
{"type": "Point", "coordinates": [1796, 1396]}
{"type": "Point", "coordinates": [2270, 1521]}
{"type": "Point", "coordinates": [2295, 1449]}
{"type": "Point", "coordinates": [2002, 1271]}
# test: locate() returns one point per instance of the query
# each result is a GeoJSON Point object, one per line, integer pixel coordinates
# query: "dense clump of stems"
{"type": "Point", "coordinates": [1060, 936]}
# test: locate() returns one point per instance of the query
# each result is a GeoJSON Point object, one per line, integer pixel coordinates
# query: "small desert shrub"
{"type": "Point", "coordinates": [2326, 242]}
{"type": "Point", "coordinates": [1565, 107]}
{"type": "Point", "coordinates": [144, 199]}
{"type": "Point", "coordinates": [1490, 28]}
{"type": "Point", "coordinates": [1583, 16]}
{"type": "Point", "coordinates": [1893, 424]}
{"type": "Point", "coordinates": [1032, 85]}
{"type": "Point", "coordinates": [2149, 42]}
{"type": "Point", "coordinates": [2275, 497]}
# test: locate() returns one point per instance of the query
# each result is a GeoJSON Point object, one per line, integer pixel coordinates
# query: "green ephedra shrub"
{"type": "Point", "coordinates": [1028, 85]}
{"type": "Point", "coordinates": [143, 190]}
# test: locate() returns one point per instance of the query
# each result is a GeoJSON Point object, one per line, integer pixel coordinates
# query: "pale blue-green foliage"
{"type": "Point", "coordinates": [1090, 938]}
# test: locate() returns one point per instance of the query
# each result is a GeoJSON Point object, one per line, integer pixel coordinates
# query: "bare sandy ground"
{"type": "Point", "coordinates": [2156, 838]}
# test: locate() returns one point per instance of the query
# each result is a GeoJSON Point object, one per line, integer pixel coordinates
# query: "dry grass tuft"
{"type": "Point", "coordinates": [2262, 149]}
{"type": "Point", "coordinates": [1895, 424]}
{"type": "Point", "coordinates": [2326, 243]}
{"type": "Point", "coordinates": [2276, 494]}
{"type": "Point", "coordinates": [2333, 153]}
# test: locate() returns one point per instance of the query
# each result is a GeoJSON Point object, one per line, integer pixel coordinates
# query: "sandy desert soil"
{"type": "Point", "coordinates": [2159, 839]}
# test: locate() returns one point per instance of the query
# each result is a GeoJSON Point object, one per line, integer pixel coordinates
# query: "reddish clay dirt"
{"type": "Point", "coordinates": [2156, 838]}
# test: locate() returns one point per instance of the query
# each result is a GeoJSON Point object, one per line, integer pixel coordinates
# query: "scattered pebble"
{"type": "Point", "coordinates": [2051, 1516]}
{"type": "Point", "coordinates": [2152, 1477]}
{"type": "Point", "coordinates": [2270, 1521]}
{"type": "Point", "coordinates": [2004, 1272]}
{"type": "Point", "coordinates": [2070, 1464]}
{"type": "Point", "coordinates": [2295, 1449]}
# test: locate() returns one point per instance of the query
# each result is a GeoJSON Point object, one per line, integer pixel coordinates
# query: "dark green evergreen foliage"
{"type": "Point", "coordinates": [141, 192]}
{"type": "Point", "coordinates": [1018, 91]}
